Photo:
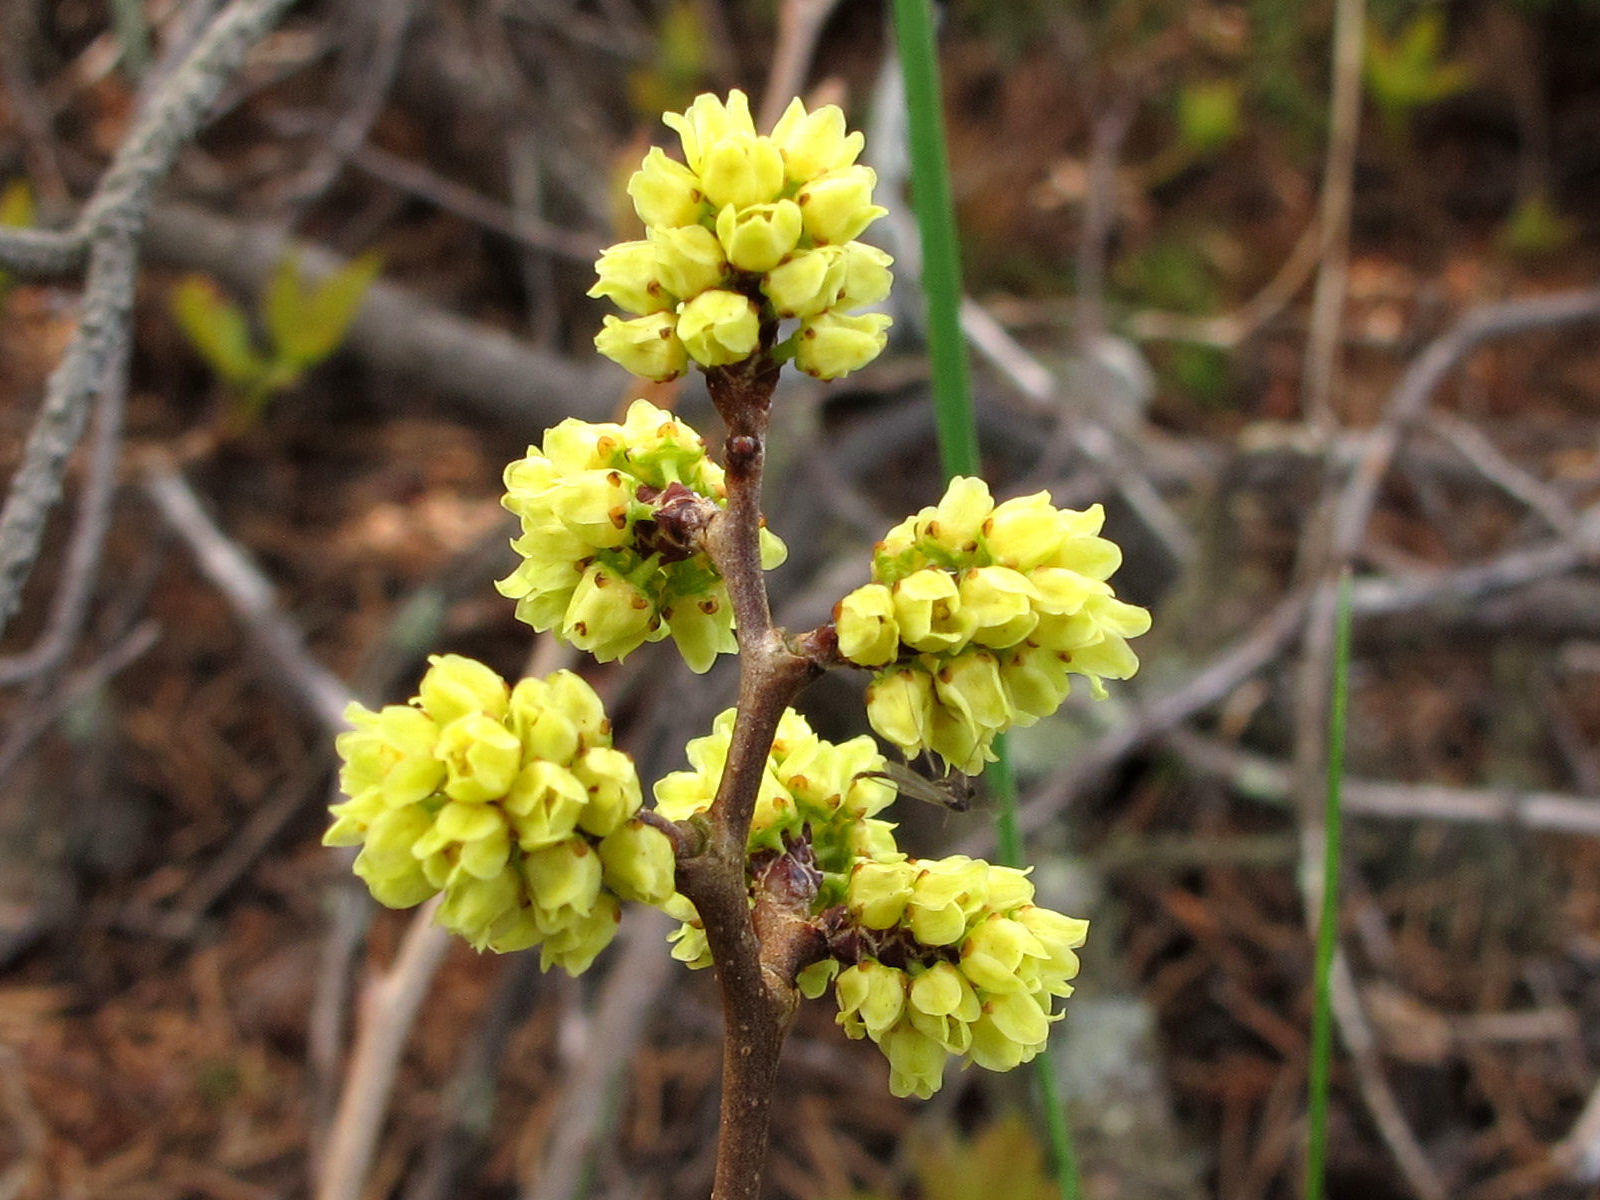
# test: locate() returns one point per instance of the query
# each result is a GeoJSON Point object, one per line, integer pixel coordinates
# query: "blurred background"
{"type": "Point", "coordinates": [1286, 287]}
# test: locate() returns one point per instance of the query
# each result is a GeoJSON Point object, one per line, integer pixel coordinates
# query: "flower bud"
{"type": "Point", "coordinates": [900, 707]}
{"type": "Point", "coordinates": [455, 686]}
{"type": "Point", "coordinates": [703, 628]}
{"type": "Point", "coordinates": [563, 879]}
{"type": "Point", "coordinates": [638, 864]}
{"type": "Point", "coordinates": [838, 204]}
{"type": "Point", "coordinates": [814, 142]}
{"type": "Point", "coordinates": [688, 260]}
{"type": "Point", "coordinates": [742, 170]}
{"type": "Point", "coordinates": [871, 998]}
{"type": "Point", "coordinates": [866, 275]}
{"type": "Point", "coordinates": [831, 344]}
{"type": "Point", "coordinates": [807, 283]}
{"type": "Point", "coordinates": [665, 193]}
{"type": "Point", "coordinates": [481, 758]}
{"type": "Point", "coordinates": [865, 621]}
{"type": "Point", "coordinates": [576, 945]}
{"type": "Point", "coordinates": [611, 782]}
{"type": "Point", "coordinates": [916, 1062]}
{"type": "Point", "coordinates": [708, 120]}
{"type": "Point", "coordinates": [927, 608]}
{"type": "Point", "coordinates": [879, 892]}
{"type": "Point", "coordinates": [607, 615]}
{"type": "Point", "coordinates": [647, 346]}
{"type": "Point", "coordinates": [386, 862]}
{"type": "Point", "coordinates": [719, 327]}
{"type": "Point", "coordinates": [627, 274]}
{"type": "Point", "coordinates": [757, 237]}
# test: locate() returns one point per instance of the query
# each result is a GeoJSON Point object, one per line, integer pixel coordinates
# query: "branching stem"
{"type": "Point", "coordinates": [755, 973]}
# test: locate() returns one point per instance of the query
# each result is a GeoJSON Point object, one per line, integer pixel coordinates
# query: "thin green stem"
{"type": "Point", "coordinates": [955, 419]}
{"type": "Point", "coordinates": [941, 256]}
{"type": "Point", "coordinates": [1328, 918]}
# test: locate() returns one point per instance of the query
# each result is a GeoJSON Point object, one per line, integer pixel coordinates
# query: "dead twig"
{"type": "Point", "coordinates": [800, 24]}
{"type": "Point", "coordinates": [1319, 377]}
{"type": "Point", "coordinates": [1411, 394]}
{"type": "Point", "coordinates": [630, 995]}
{"type": "Point", "coordinates": [1261, 778]}
{"type": "Point", "coordinates": [518, 225]}
{"type": "Point", "coordinates": [71, 604]}
{"type": "Point", "coordinates": [388, 1008]}
{"type": "Point", "coordinates": [232, 573]}
{"type": "Point", "coordinates": [1232, 330]}
{"type": "Point", "coordinates": [369, 84]}
{"type": "Point", "coordinates": [111, 226]}
{"type": "Point", "coordinates": [395, 331]}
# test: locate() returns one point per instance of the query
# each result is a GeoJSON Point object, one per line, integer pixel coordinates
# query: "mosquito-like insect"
{"type": "Point", "coordinates": [951, 790]}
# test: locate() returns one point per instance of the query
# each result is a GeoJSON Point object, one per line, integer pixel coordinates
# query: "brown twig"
{"type": "Point", "coordinates": [389, 1005]}
{"type": "Point", "coordinates": [800, 24]}
{"type": "Point", "coordinates": [1319, 377]}
{"type": "Point", "coordinates": [630, 995]}
{"type": "Point", "coordinates": [755, 976]}
{"type": "Point", "coordinates": [322, 693]}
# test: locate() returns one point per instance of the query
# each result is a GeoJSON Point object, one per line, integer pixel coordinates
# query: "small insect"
{"type": "Point", "coordinates": [951, 790]}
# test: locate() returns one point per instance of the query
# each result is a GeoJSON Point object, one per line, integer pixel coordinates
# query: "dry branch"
{"type": "Point", "coordinates": [111, 225]}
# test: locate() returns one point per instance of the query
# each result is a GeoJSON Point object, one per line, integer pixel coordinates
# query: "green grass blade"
{"type": "Point", "coordinates": [1328, 918]}
{"type": "Point", "coordinates": [941, 257]}
{"type": "Point", "coordinates": [957, 424]}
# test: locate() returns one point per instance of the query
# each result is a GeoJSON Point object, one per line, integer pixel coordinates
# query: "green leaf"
{"type": "Point", "coordinates": [16, 212]}
{"type": "Point", "coordinates": [1404, 73]}
{"type": "Point", "coordinates": [16, 205]}
{"type": "Point", "coordinates": [307, 323]}
{"type": "Point", "coordinates": [1208, 115]}
{"type": "Point", "coordinates": [1003, 1159]}
{"type": "Point", "coordinates": [219, 332]}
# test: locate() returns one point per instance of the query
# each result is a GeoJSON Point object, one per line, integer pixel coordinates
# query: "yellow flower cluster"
{"type": "Point", "coordinates": [976, 616]}
{"type": "Point", "coordinates": [750, 230]}
{"type": "Point", "coordinates": [510, 801]}
{"type": "Point", "coordinates": [978, 967]}
{"type": "Point", "coordinates": [584, 497]}
{"type": "Point", "coordinates": [810, 787]}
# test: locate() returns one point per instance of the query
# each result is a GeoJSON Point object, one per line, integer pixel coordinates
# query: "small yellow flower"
{"type": "Point", "coordinates": [719, 327]}
{"type": "Point", "coordinates": [832, 344]}
{"type": "Point", "coordinates": [838, 204]}
{"type": "Point", "coordinates": [807, 283]}
{"type": "Point", "coordinates": [688, 260]}
{"type": "Point", "coordinates": [627, 276]}
{"type": "Point", "coordinates": [758, 236]}
{"type": "Point", "coordinates": [647, 346]}
{"type": "Point", "coordinates": [665, 193]}
{"type": "Point", "coordinates": [814, 142]}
